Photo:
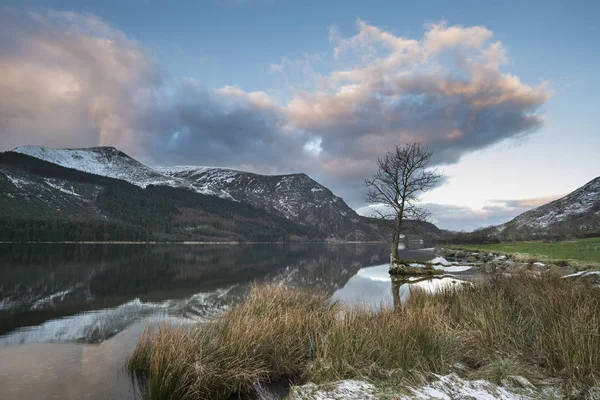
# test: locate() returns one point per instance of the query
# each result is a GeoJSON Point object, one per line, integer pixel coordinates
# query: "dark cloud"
{"type": "Point", "coordinates": [70, 80]}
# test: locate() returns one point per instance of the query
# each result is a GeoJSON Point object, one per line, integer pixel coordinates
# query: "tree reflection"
{"type": "Point", "coordinates": [399, 281]}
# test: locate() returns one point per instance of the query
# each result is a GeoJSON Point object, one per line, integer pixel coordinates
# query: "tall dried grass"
{"type": "Point", "coordinates": [505, 326]}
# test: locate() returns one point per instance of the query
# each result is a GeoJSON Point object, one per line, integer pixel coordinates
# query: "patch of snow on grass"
{"type": "Point", "coordinates": [451, 386]}
{"type": "Point", "coordinates": [582, 274]}
{"type": "Point", "coordinates": [539, 264]}
{"type": "Point", "coordinates": [440, 260]}
{"type": "Point", "coordinates": [446, 387]}
{"type": "Point", "coordinates": [347, 390]}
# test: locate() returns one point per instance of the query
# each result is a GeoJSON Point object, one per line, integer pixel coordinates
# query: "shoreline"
{"type": "Point", "coordinates": [194, 242]}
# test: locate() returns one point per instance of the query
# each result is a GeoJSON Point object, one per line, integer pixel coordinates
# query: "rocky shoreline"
{"type": "Point", "coordinates": [495, 262]}
{"type": "Point", "coordinates": [489, 262]}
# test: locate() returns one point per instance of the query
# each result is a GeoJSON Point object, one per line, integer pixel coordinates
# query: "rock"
{"type": "Point", "coordinates": [460, 254]}
{"type": "Point", "coordinates": [486, 257]}
{"type": "Point", "coordinates": [471, 259]}
{"type": "Point", "coordinates": [490, 267]}
{"type": "Point", "coordinates": [538, 265]}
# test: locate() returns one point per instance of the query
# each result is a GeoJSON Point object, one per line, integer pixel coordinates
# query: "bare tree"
{"type": "Point", "coordinates": [402, 175]}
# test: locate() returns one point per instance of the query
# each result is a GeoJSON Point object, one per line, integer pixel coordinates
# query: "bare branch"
{"type": "Point", "coordinates": [402, 175]}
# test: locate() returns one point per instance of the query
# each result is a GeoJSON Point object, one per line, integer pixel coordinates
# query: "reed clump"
{"type": "Point", "coordinates": [542, 327]}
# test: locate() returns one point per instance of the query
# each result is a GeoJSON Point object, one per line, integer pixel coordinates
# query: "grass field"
{"type": "Point", "coordinates": [547, 330]}
{"type": "Point", "coordinates": [583, 250]}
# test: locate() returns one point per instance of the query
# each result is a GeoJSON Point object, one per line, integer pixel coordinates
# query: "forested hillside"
{"type": "Point", "coordinates": [41, 201]}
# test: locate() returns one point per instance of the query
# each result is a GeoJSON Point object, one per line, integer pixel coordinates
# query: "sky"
{"type": "Point", "coordinates": [505, 93]}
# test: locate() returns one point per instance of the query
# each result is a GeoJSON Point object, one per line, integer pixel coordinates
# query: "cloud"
{"type": "Point", "coordinates": [462, 218]}
{"type": "Point", "coordinates": [531, 203]}
{"type": "Point", "coordinates": [445, 90]}
{"type": "Point", "coordinates": [495, 212]}
{"type": "Point", "coordinates": [71, 80]}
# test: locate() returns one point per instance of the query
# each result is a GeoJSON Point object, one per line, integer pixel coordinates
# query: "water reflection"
{"type": "Point", "coordinates": [371, 286]}
{"type": "Point", "coordinates": [91, 292]}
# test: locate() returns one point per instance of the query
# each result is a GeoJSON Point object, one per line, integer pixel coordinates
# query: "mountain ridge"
{"type": "Point", "coordinates": [42, 201]}
{"type": "Point", "coordinates": [576, 214]}
{"type": "Point", "coordinates": [295, 196]}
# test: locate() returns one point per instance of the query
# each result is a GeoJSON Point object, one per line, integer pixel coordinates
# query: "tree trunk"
{"type": "Point", "coordinates": [396, 283]}
{"type": "Point", "coordinates": [396, 240]}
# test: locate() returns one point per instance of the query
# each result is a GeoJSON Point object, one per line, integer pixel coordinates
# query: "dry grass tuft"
{"type": "Point", "coordinates": [498, 328]}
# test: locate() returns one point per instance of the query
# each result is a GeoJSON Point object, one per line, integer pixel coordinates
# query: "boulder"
{"type": "Point", "coordinates": [449, 253]}
{"type": "Point", "coordinates": [490, 267]}
{"type": "Point", "coordinates": [460, 254]}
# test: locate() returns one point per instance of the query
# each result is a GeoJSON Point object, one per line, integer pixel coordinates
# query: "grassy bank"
{"type": "Point", "coordinates": [545, 329]}
{"type": "Point", "coordinates": [580, 251]}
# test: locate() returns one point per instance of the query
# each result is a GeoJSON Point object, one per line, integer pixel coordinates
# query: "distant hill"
{"type": "Point", "coordinates": [294, 197]}
{"type": "Point", "coordinates": [102, 185]}
{"type": "Point", "coordinates": [574, 215]}
{"type": "Point", "coordinates": [42, 201]}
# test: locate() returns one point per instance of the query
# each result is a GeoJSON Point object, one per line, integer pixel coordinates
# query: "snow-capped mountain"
{"type": "Point", "coordinates": [576, 214]}
{"type": "Point", "coordinates": [112, 163]}
{"type": "Point", "coordinates": [583, 201]}
{"type": "Point", "coordinates": [295, 197]}
{"type": "Point", "coordinates": [104, 161]}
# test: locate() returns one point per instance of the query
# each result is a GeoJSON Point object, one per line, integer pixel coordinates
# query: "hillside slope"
{"type": "Point", "coordinates": [295, 197]}
{"type": "Point", "coordinates": [574, 215]}
{"type": "Point", "coordinates": [43, 201]}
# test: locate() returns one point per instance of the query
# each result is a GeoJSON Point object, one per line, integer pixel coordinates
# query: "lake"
{"type": "Point", "coordinates": [71, 313]}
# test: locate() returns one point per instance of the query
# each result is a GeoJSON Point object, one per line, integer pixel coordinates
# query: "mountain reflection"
{"type": "Point", "coordinates": [57, 287]}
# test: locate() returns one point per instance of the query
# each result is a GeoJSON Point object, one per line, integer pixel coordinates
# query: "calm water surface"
{"type": "Point", "coordinates": [70, 314]}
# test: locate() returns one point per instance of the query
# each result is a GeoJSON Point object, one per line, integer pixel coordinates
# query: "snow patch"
{"type": "Point", "coordinates": [347, 390]}
{"type": "Point", "coordinates": [440, 260]}
{"type": "Point", "coordinates": [103, 161]}
{"type": "Point", "coordinates": [582, 274]}
{"type": "Point", "coordinates": [56, 186]}
{"type": "Point", "coordinates": [451, 386]}
{"type": "Point", "coordinates": [539, 264]}
{"type": "Point", "coordinates": [446, 387]}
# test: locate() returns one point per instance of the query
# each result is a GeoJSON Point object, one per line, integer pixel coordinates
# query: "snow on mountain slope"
{"type": "Point", "coordinates": [105, 161]}
{"type": "Point", "coordinates": [576, 214]}
{"type": "Point", "coordinates": [39, 196]}
{"type": "Point", "coordinates": [585, 200]}
{"type": "Point", "coordinates": [294, 196]}
{"type": "Point", "coordinates": [112, 163]}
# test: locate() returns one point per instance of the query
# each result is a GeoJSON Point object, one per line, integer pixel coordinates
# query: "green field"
{"type": "Point", "coordinates": [583, 250]}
